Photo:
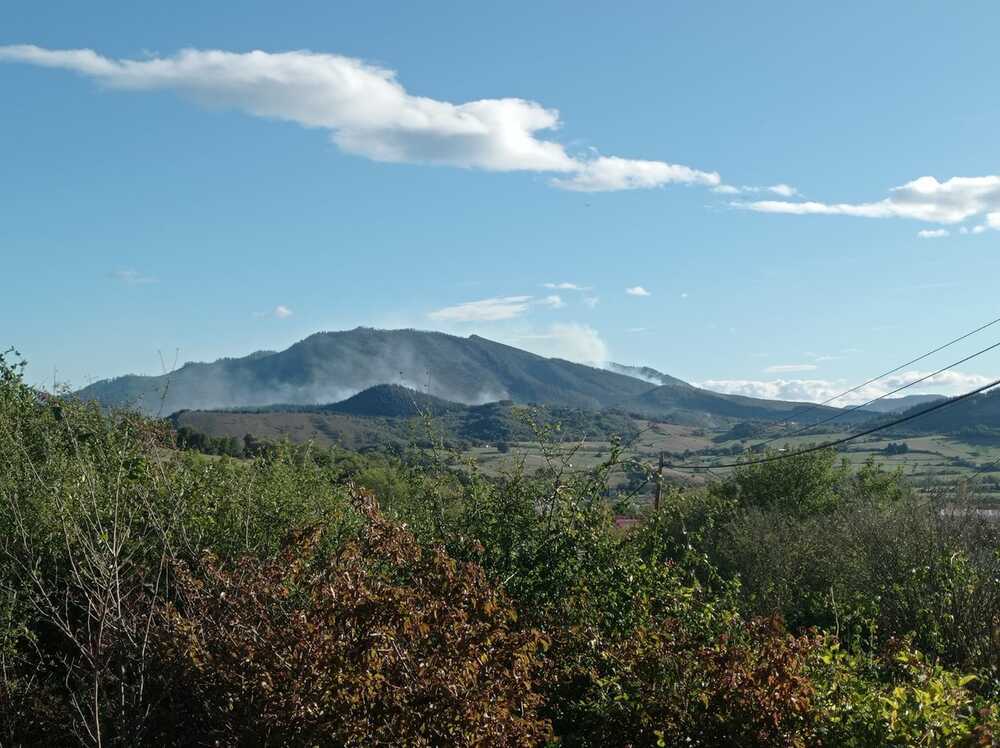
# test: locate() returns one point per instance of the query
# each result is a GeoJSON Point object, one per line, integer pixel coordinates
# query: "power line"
{"type": "Point", "coordinates": [846, 439]}
{"type": "Point", "coordinates": [847, 411]}
{"type": "Point", "coordinates": [960, 338]}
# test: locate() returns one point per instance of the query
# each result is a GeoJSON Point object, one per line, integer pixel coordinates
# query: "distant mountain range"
{"type": "Point", "coordinates": [333, 367]}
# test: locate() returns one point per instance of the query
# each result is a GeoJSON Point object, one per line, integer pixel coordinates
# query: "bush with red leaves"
{"type": "Point", "coordinates": [384, 643]}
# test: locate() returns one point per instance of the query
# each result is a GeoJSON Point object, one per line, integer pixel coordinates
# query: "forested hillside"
{"type": "Point", "coordinates": [390, 416]}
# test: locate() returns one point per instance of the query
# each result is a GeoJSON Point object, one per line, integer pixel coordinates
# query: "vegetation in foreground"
{"type": "Point", "coordinates": [150, 596]}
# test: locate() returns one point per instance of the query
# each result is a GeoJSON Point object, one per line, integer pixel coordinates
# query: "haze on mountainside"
{"type": "Point", "coordinates": [333, 366]}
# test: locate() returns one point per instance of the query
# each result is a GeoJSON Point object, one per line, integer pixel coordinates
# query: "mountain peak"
{"type": "Point", "coordinates": [392, 401]}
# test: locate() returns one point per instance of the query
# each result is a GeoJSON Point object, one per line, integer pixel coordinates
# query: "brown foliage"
{"type": "Point", "coordinates": [381, 644]}
{"type": "Point", "coordinates": [671, 684]}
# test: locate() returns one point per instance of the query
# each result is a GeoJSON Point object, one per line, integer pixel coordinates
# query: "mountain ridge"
{"type": "Point", "coordinates": [329, 368]}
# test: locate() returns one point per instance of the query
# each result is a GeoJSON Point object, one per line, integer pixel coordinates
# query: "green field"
{"type": "Point", "coordinates": [934, 463]}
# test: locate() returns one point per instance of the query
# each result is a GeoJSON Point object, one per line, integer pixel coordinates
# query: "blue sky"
{"type": "Point", "coordinates": [799, 196]}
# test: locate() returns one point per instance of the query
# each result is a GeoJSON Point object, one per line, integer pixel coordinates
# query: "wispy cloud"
{"type": "Point", "coordinates": [591, 301]}
{"type": "Point", "coordinates": [932, 233]}
{"type": "Point", "coordinates": [784, 190]}
{"type": "Point", "coordinates": [369, 113]}
{"type": "Point", "coordinates": [495, 309]}
{"type": "Point", "coordinates": [789, 368]}
{"type": "Point", "coordinates": [925, 199]}
{"type": "Point", "coordinates": [610, 173]}
{"type": "Point", "coordinates": [279, 312]}
{"type": "Point", "coordinates": [564, 286]}
{"type": "Point", "coordinates": [484, 310]}
{"type": "Point", "coordinates": [822, 357]}
{"type": "Point", "coordinates": [133, 277]}
{"type": "Point", "coordinates": [637, 291]}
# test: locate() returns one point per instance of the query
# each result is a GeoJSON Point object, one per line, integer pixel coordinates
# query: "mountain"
{"type": "Point", "coordinates": [645, 373]}
{"type": "Point", "coordinates": [392, 401]}
{"type": "Point", "coordinates": [901, 404]}
{"type": "Point", "coordinates": [688, 405]}
{"type": "Point", "coordinates": [331, 366]}
{"type": "Point", "coordinates": [334, 367]}
{"type": "Point", "coordinates": [976, 416]}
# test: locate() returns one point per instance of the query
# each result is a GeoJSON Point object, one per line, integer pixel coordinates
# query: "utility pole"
{"type": "Point", "coordinates": [659, 484]}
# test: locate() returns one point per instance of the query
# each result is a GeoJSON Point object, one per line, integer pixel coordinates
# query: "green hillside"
{"type": "Point", "coordinates": [392, 401]}
{"type": "Point", "coordinates": [391, 416]}
{"type": "Point", "coordinates": [977, 416]}
{"type": "Point", "coordinates": [687, 405]}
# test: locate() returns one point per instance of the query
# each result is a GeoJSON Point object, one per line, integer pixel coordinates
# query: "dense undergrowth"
{"type": "Point", "coordinates": [151, 596]}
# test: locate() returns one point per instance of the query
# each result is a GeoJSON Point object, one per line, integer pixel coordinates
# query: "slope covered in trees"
{"type": "Point", "coordinates": [979, 414]}
{"type": "Point", "coordinates": [391, 416]}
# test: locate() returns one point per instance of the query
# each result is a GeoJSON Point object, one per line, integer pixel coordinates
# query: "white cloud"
{"type": "Point", "coordinates": [571, 341]}
{"type": "Point", "coordinates": [923, 199]}
{"type": "Point", "coordinates": [817, 390]}
{"type": "Point", "coordinates": [789, 368]}
{"type": "Point", "coordinates": [495, 309]}
{"type": "Point", "coordinates": [591, 301]}
{"type": "Point", "coordinates": [484, 310]}
{"type": "Point", "coordinates": [610, 173]}
{"type": "Point", "coordinates": [992, 220]}
{"type": "Point", "coordinates": [981, 228]}
{"type": "Point", "coordinates": [565, 287]}
{"type": "Point", "coordinates": [932, 233]}
{"type": "Point", "coordinates": [368, 112]}
{"type": "Point", "coordinates": [785, 190]}
{"type": "Point", "coordinates": [635, 330]}
{"type": "Point", "coordinates": [637, 291]}
{"type": "Point", "coordinates": [133, 277]}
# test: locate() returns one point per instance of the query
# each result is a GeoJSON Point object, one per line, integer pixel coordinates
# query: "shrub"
{"type": "Point", "coordinates": [381, 642]}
